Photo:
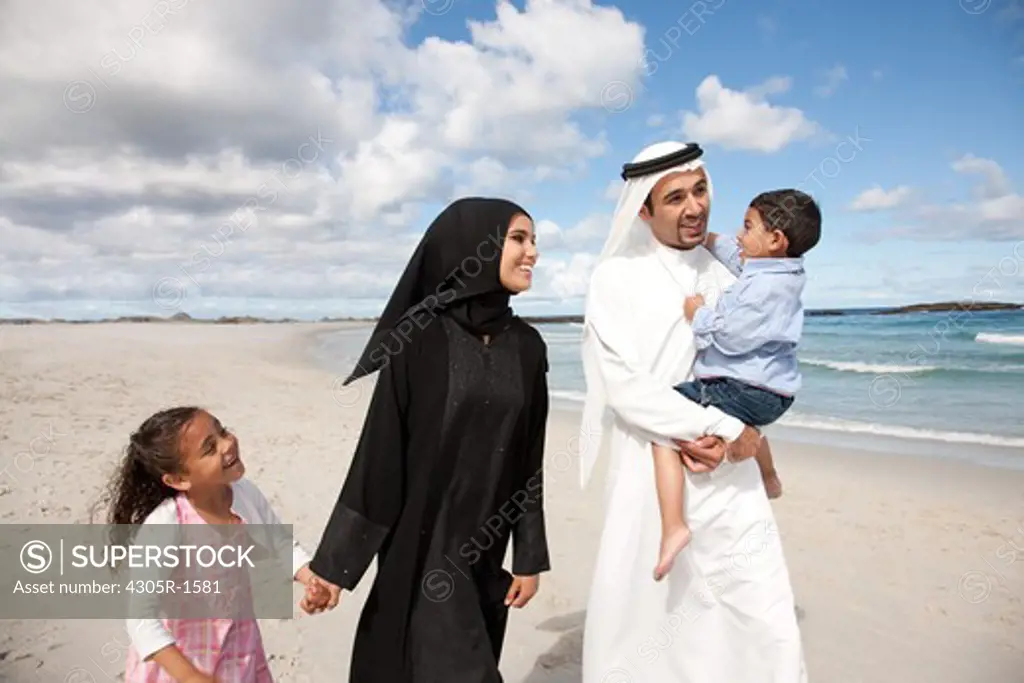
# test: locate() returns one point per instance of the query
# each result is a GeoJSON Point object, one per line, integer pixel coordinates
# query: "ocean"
{"type": "Point", "coordinates": [947, 384]}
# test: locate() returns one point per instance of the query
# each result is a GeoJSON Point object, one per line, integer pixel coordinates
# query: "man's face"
{"type": "Point", "coordinates": [681, 206]}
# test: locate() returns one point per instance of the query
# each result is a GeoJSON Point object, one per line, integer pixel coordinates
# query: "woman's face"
{"type": "Point", "coordinates": [519, 255]}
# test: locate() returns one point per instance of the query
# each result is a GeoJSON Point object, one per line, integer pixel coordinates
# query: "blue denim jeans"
{"type": "Point", "coordinates": [751, 405]}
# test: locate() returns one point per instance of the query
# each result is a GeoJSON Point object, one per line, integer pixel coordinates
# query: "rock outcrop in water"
{"type": "Point", "coordinates": [952, 306]}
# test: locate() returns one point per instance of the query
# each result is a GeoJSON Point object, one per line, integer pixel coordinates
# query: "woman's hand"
{"type": "Point", "coordinates": [320, 594]}
{"type": "Point", "coordinates": [522, 590]}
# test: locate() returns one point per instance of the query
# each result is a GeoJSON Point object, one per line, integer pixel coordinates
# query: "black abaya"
{"type": "Point", "coordinates": [446, 472]}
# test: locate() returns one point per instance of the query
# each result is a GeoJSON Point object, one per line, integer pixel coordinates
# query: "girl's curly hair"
{"type": "Point", "coordinates": [137, 487]}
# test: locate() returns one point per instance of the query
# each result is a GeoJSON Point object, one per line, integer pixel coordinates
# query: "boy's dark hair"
{"type": "Point", "coordinates": [793, 213]}
{"type": "Point", "coordinates": [136, 489]}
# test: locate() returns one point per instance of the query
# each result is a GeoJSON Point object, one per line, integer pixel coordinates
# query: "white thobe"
{"type": "Point", "coordinates": [725, 613]}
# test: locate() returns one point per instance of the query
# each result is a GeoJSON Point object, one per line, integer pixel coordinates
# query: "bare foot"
{"type": "Point", "coordinates": [772, 485]}
{"type": "Point", "coordinates": [672, 543]}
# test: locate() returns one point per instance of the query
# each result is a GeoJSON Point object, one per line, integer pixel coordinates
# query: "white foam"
{"type": "Point", "coordinates": [898, 431]}
{"type": "Point", "coordinates": [868, 368]}
{"type": "Point", "coordinates": [993, 338]}
{"type": "Point", "coordinates": [561, 339]}
{"type": "Point", "coordinates": [830, 424]}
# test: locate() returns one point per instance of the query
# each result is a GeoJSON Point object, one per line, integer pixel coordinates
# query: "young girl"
{"type": "Point", "coordinates": [183, 467]}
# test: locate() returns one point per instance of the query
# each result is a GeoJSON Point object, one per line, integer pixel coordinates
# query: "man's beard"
{"type": "Point", "coordinates": [686, 241]}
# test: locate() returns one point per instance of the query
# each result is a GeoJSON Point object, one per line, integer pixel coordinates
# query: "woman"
{"type": "Point", "coordinates": [448, 466]}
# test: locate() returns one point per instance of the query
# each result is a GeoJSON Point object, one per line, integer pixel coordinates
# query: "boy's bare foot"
{"type": "Point", "coordinates": [772, 485]}
{"type": "Point", "coordinates": [672, 543]}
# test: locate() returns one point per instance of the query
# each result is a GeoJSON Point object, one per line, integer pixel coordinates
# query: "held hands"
{"type": "Point", "coordinates": [323, 595]}
{"type": "Point", "coordinates": [521, 591]}
{"type": "Point", "coordinates": [691, 305]}
{"type": "Point", "coordinates": [320, 594]}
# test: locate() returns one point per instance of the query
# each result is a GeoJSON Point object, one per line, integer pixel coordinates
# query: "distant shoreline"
{"type": "Point", "coordinates": [946, 306]}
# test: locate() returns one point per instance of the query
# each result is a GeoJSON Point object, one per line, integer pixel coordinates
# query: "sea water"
{"type": "Point", "coordinates": [936, 383]}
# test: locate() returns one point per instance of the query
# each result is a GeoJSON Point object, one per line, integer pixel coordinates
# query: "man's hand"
{"type": "Point", "coordinates": [707, 453]}
{"type": "Point", "coordinates": [691, 305]}
{"type": "Point", "coordinates": [703, 454]}
{"type": "Point", "coordinates": [522, 590]}
{"type": "Point", "coordinates": [745, 446]}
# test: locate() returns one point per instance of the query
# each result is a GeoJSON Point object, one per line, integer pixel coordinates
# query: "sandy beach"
{"type": "Point", "coordinates": [906, 568]}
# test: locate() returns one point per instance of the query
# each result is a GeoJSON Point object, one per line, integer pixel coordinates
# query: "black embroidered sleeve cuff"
{"type": "Point", "coordinates": [349, 544]}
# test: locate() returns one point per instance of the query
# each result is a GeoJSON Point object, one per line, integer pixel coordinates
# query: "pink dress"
{"type": "Point", "coordinates": [231, 650]}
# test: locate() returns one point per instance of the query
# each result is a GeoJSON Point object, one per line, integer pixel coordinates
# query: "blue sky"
{"type": "Point", "coordinates": [926, 86]}
{"type": "Point", "coordinates": [541, 101]}
{"type": "Point", "coordinates": [920, 88]}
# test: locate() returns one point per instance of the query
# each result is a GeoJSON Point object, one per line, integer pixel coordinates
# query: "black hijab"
{"type": "Point", "coordinates": [455, 271]}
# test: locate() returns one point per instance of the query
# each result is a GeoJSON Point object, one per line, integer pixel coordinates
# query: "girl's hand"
{"type": "Point", "coordinates": [521, 591]}
{"type": "Point", "coordinates": [179, 668]}
{"type": "Point", "coordinates": [200, 677]}
{"type": "Point", "coordinates": [304, 575]}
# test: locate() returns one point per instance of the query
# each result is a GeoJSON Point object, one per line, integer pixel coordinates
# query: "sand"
{"type": "Point", "coordinates": [906, 568]}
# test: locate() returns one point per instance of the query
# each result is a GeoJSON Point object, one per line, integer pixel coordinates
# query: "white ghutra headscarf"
{"type": "Point", "coordinates": [629, 235]}
{"type": "Point", "coordinates": [629, 230]}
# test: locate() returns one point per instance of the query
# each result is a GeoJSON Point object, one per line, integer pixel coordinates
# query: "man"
{"type": "Point", "coordinates": [725, 612]}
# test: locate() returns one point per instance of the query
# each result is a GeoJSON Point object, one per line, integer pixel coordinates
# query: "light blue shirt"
{"type": "Point", "coordinates": [752, 332]}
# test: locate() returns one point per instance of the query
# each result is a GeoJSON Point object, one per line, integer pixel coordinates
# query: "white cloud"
{"type": "Point", "coordinates": [833, 78]}
{"type": "Point", "coordinates": [994, 213]}
{"type": "Point", "coordinates": [570, 278]}
{"type": "Point", "coordinates": [995, 183]}
{"type": "Point", "coordinates": [250, 148]}
{"type": "Point", "coordinates": [588, 235]}
{"type": "Point", "coordinates": [655, 120]}
{"type": "Point", "coordinates": [614, 190]}
{"type": "Point", "coordinates": [745, 120]}
{"type": "Point", "coordinates": [567, 257]}
{"type": "Point", "coordinates": [876, 199]}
